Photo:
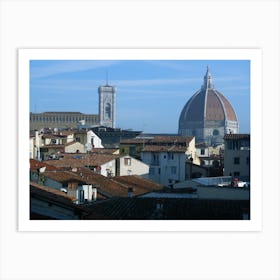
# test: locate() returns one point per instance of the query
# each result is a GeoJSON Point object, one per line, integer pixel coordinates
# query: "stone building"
{"type": "Point", "coordinates": [208, 115]}
{"type": "Point", "coordinates": [237, 155]}
{"type": "Point", "coordinates": [106, 116]}
{"type": "Point", "coordinates": [60, 120]}
{"type": "Point", "coordinates": [107, 106]}
{"type": "Point", "coordinates": [167, 158]}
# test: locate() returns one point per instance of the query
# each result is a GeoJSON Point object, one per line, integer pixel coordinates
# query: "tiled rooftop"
{"type": "Point", "coordinates": [160, 140]}
{"type": "Point", "coordinates": [117, 186]}
{"type": "Point", "coordinates": [81, 160]}
{"type": "Point", "coordinates": [53, 136]}
{"type": "Point", "coordinates": [169, 209]}
{"type": "Point", "coordinates": [63, 176]}
{"type": "Point", "coordinates": [209, 105]}
{"type": "Point", "coordinates": [35, 165]}
{"type": "Point", "coordinates": [54, 146]}
{"type": "Point", "coordinates": [171, 139]}
{"type": "Point", "coordinates": [174, 149]}
{"type": "Point", "coordinates": [236, 136]}
{"type": "Point", "coordinates": [201, 145]}
{"type": "Point", "coordinates": [139, 184]}
{"type": "Point", "coordinates": [104, 151]}
{"type": "Point", "coordinates": [51, 194]}
{"type": "Point", "coordinates": [134, 141]}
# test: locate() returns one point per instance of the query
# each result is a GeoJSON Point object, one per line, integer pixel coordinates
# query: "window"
{"type": "Point", "coordinates": [202, 152]}
{"type": "Point", "coordinates": [155, 159]}
{"type": "Point", "coordinates": [108, 110]}
{"type": "Point", "coordinates": [127, 161]}
{"type": "Point", "coordinates": [152, 171]}
{"type": "Point", "coordinates": [170, 156]}
{"type": "Point", "coordinates": [216, 132]}
{"type": "Point", "coordinates": [132, 151]}
{"type": "Point", "coordinates": [173, 170]}
{"type": "Point", "coordinates": [81, 196]}
{"type": "Point", "coordinates": [236, 160]}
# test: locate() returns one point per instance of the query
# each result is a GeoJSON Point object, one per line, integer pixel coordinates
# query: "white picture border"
{"type": "Point", "coordinates": [255, 57]}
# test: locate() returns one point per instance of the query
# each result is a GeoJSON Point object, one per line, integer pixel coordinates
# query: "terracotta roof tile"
{"type": "Point", "coordinates": [169, 209]}
{"type": "Point", "coordinates": [118, 186]}
{"type": "Point", "coordinates": [63, 176]}
{"type": "Point", "coordinates": [201, 145]}
{"type": "Point", "coordinates": [171, 139]}
{"type": "Point", "coordinates": [158, 149]}
{"type": "Point", "coordinates": [51, 193]}
{"type": "Point", "coordinates": [103, 151]}
{"type": "Point", "coordinates": [52, 136]}
{"type": "Point", "coordinates": [236, 136]}
{"type": "Point", "coordinates": [140, 185]}
{"type": "Point", "coordinates": [81, 160]}
{"type": "Point", "coordinates": [183, 140]}
{"type": "Point", "coordinates": [134, 141]}
{"type": "Point", "coordinates": [35, 165]}
{"type": "Point", "coordinates": [53, 146]}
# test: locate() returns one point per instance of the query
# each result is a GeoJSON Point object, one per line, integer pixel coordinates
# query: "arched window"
{"type": "Point", "coordinates": [216, 132]}
{"type": "Point", "coordinates": [108, 110]}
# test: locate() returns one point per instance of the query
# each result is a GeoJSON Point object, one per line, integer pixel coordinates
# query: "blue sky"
{"type": "Point", "coordinates": [150, 93]}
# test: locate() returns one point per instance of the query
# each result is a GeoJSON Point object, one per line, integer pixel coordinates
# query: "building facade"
{"type": "Point", "coordinates": [208, 115]}
{"type": "Point", "coordinates": [61, 120]}
{"type": "Point", "coordinates": [168, 163]}
{"type": "Point", "coordinates": [128, 165]}
{"type": "Point", "coordinates": [106, 116]}
{"type": "Point", "coordinates": [107, 105]}
{"type": "Point", "coordinates": [237, 156]}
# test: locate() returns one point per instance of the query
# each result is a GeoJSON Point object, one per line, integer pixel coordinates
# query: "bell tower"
{"type": "Point", "coordinates": [107, 105]}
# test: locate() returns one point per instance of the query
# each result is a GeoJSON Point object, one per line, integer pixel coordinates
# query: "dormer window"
{"type": "Point", "coordinates": [127, 161]}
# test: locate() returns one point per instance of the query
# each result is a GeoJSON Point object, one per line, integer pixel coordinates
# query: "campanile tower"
{"type": "Point", "coordinates": [107, 105]}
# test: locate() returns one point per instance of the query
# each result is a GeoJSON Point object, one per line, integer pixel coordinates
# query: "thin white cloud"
{"type": "Point", "coordinates": [60, 67]}
{"type": "Point", "coordinates": [156, 82]}
{"type": "Point", "coordinates": [171, 64]}
{"type": "Point", "coordinates": [70, 85]}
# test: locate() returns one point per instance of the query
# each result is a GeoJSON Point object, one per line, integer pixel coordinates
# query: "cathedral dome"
{"type": "Point", "coordinates": [208, 115]}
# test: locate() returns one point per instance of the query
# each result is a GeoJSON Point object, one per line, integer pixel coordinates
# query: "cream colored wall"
{"type": "Point", "coordinates": [108, 167]}
{"type": "Point", "coordinates": [192, 150]}
{"type": "Point", "coordinates": [59, 141]}
{"type": "Point", "coordinates": [137, 167]}
{"type": "Point", "coordinates": [96, 140]}
{"type": "Point", "coordinates": [32, 147]}
{"type": "Point", "coordinates": [74, 147]}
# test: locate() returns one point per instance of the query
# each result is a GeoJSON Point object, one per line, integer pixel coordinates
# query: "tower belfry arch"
{"type": "Point", "coordinates": [107, 104]}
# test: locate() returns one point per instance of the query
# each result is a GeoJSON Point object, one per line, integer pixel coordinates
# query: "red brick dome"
{"type": "Point", "coordinates": [207, 108]}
